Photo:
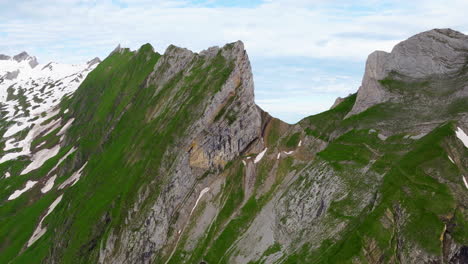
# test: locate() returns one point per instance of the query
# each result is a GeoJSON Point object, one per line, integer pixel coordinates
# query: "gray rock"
{"type": "Point", "coordinates": [118, 49]}
{"type": "Point", "coordinates": [11, 75]}
{"type": "Point", "coordinates": [93, 61]}
{"type": "Point", "coordinates": [4, 57]}
{"type": "Point", "coordinates": [25, 56]}
{"type": "Point", "coordinates": [425, 55]}
{"type": "Point", "coordinates": [210, 145]}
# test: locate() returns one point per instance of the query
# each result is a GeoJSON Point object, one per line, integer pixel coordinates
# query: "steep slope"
{"type": "Point", "coordinates": [165, 158]}
{"type": "Point", "coordinates": [32, 130]}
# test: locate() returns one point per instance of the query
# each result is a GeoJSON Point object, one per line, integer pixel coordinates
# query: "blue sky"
{"type": "Point", "coordinates": [304, 53]}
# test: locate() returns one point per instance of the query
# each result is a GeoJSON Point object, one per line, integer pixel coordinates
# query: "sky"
{"type": "Point", "coordinates": [304, 54]}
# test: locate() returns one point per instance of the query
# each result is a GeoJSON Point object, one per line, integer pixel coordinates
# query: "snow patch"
{"type": "Point", "coordinates": [381, 137]}
{"type": "Point", "coordinates": [205, 190]}
{"type": "Point", "coordinates": [451, 159]}
{"type": "Point", "coordinates": [300, 143]}
{"type": "Point", "coordinates": [288, 152]}
{"type": "Point", "coordinates": [66, 111]}
{"type": "Point", "coordinates": [7, 174]}
{"type": "Point", "coordinates": [47, 82]}
{"type": "Point", "coordinates": [62, 159]}
{"type": "Point", "coordinates": [278, 156]}
{"type": "Point", "coordinates": [17, 193]}
{"type": "Point", "coordinates": [25, 144]}
{"type": "Point", "coordinates": [73, 179]}
{"type": "Point", "coordinates": [39, 232]}
{"type": "Point", "coordinates": [260, 155]}
{"type": "Point", "coordinates": [40, 145]}
{"type": "Point", "coordinates": [243, 162]}
{"type": "Point", "coordinates": [49, 184]}
{"type": "Point", "coordinates": [40, 157]}
{"type": "Point", "coordinates": [65, 127]}
{"type": "Point", "coordinates": [462, 136]}
{"type": "Point", "coordinates": [419, 136]}
{"type": "Point", "coordinates": [464, 181]}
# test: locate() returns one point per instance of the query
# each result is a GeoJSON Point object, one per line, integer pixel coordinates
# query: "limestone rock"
{"type": "Point", "coordinates": [425, 55]}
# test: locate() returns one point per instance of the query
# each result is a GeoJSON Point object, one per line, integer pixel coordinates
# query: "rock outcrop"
{"type": "Point", "coordinates": [24, 56]}
{"type": "Point", "coordinates": [4, 57]}
{"type": "Point", "coordinates": [438, 52]}
{"type": "Point", "coordinates": [229, 125]}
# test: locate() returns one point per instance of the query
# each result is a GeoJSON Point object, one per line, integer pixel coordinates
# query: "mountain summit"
{"type": "Point", "coordinates": [437, 53]}
{"type": "Point", "coordinates": [166, 158]}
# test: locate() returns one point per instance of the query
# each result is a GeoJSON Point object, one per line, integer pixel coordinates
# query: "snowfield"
{"type": "Point", "coordinates": [27, 91]}
{"type": "Point", "coordinates": [39, 230]}
{"type": "Point", "coordinates": [40, 157]}
{"type": "Point", "coordinates": [17, 193]}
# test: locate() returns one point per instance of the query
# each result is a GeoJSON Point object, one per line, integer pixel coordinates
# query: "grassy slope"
{"type": "Point", "coordinates": [126, 150]}
{"type": "Point", "coordinates": [407, 186]}
{"type": "Point", "coordinates": [131, 155]}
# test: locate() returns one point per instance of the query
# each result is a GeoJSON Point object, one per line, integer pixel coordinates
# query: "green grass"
{"type": "Point", "coordinates": [425, 201]}
{"type": "Point", "coordinates": [124, 144]}
{"type": "Point", "coordinates": [293, 140]}
{"type": "Point", "coordinates": [321, 125]}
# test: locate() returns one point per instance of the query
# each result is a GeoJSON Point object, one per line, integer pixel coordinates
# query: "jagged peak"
{"type": "Point", "coordinates": [173, 49]}
{"type": "Point", "coordinates": [119, 49]}
{"type": "Point", "coordinates": [93, 61]}
{"type": "Point", "coordinates": [20, 57]}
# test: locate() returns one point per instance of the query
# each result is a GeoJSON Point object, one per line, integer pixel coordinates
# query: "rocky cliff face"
{"type": "Point", "coordinates": [435, 54]}
{"type": "Point", "coordinates": [165, 158]}
{"type": "Point", "coordinates": [228, 126]}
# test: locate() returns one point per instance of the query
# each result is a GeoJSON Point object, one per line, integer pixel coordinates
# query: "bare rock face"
{"type": "Point", "coordinates": [11, 75]}
{"type": "Point", "coordinates": [215, 139]}
{"type": "Point", "coordinates": [425, 55]}
{"type": "Point", "coordinates": [25, 56]}
{"type": "Point", "coordinates": [4, 57]}
{"type": "Point", "coordinates": [93, 62]}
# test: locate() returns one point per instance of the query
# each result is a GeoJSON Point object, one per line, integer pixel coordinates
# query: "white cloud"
{"type": "Point", "coordinates": [77, 30]}
{"type": "Point", "coordinates": [275, 28]}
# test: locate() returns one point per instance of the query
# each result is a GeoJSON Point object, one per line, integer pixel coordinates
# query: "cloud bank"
{"type": "Point", "coordinates": [300, 50]}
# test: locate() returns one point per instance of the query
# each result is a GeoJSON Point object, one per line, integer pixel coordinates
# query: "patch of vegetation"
{"type": "Point", "coordinates": [273, 133]}
{"type": "Point", "coordinates": [406, 188]}
{"type": "Point", "coordinates": [321, 125]}
{"type": "Point", "coordinates": [293, 140]}
{"type": "Point", "coordinates": [395, 85]}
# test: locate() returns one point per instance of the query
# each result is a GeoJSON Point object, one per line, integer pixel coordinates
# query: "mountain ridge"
{"type": "Point", "coordinates": [166, 158]}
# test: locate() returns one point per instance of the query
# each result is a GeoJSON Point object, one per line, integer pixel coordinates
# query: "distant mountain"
{"type": "Point", "coordinates": [166, 158]}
